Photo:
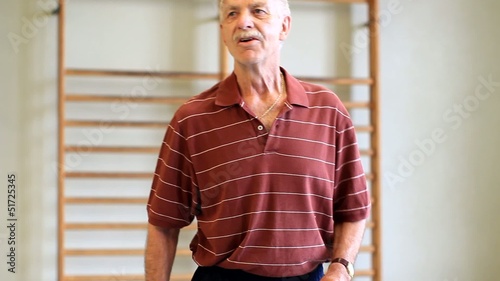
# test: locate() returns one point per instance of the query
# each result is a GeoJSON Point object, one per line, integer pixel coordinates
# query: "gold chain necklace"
{"type": "Point", "coordinates": [277, 99]}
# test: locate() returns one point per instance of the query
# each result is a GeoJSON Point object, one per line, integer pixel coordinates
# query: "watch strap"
{"type": "Point", "coordinates": [347, 264]}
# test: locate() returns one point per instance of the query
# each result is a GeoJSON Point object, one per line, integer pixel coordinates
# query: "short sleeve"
{"type": "Point", "coordinates": [171, 197]}
{"type": "Point", "coordinates": [351, 197]}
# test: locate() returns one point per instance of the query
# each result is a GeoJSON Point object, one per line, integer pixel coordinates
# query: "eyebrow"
{"type": "Point", "coordinates": [230, 8]}
{"type": "Point", "coordinates": [260, 4]}
{"type": "Point", "coordinates": [257, 4]}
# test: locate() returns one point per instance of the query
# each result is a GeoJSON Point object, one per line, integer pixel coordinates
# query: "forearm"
{"type": "Point", "coordinates": [346, 242]}
{"type": "Point", "coordinates": [347, 239]}
{"type": "Point", "coordinates": [161, 246]}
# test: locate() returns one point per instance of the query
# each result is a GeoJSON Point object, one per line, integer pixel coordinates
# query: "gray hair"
{"type": "Point", "coordinates": [285, 8]}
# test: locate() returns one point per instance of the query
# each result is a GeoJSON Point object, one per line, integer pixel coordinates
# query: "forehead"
{"type": "Point", "coordinates": [244, 3]}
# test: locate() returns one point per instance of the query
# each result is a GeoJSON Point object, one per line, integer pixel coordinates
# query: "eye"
{"type": "Point", "coordinates": [231, 14]}
{"type": "Point", "coordinates": [259, 11]}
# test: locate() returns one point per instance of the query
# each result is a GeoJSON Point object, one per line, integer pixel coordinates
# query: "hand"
{"type": "Point", "coordinates": [336, 272]}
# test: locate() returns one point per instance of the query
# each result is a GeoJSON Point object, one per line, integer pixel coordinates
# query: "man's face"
{"type": "Point", "coordinates": [253, 29]}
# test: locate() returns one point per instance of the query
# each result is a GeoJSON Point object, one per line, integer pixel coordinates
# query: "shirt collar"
{"type": "Point", "coordinates": [229, 94]}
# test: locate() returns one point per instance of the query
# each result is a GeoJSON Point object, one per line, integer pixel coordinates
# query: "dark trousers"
{"type": "Point", "coordinates": [215, 273]}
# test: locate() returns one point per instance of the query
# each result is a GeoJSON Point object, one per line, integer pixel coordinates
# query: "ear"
{"type": "Point", "coordinates": [286, 25]}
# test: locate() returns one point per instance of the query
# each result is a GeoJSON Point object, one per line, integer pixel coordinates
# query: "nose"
{"type": "Point", "coordinates": [245, 20]}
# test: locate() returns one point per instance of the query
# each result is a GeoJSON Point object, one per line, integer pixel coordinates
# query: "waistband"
{"type": "Point", "coordinates": [216, 273]}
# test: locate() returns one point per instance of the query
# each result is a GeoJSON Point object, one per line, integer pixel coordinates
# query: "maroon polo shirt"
{"type": "Point", "coordinates": [265, 202]}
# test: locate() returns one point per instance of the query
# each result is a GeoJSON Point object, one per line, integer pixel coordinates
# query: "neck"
{"type": "Point", "coordinates": [261, 82]}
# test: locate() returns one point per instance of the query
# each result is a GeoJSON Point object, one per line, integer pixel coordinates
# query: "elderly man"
{"type": "Point", "coordinates": [267, 164]}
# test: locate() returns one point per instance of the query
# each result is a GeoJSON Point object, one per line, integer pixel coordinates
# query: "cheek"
{"type": "Point", "coordinates": [226, 36]}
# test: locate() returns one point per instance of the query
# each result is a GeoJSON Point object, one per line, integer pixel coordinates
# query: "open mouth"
{"type": "Point", "coordinates": [247, 39]}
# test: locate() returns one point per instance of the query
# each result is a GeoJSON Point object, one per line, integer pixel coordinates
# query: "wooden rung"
{"type": "Point", "coordinates": [109, 175]}
{"type": "Point", "coordinates": [131, 175]}
{"type": "Point", "coordinates": [74, 200]}
{"type": "Point", "coordinates": [356, 104]}
{"type": "Point", "coordinates": [141, 74]}
{"type": "Point", "coordinates": [116, 252]}
{"type": "Point", "coordinates": [116, 226]}
{"type": "Point", "coordinates": [212, 76]}
{"type": "Point", "coordinates": [140, 252]}
{"type": "Point", "coordinates": [104, 252]}
{"type": "Point", "coordinates": [364, 272]}
{"type": "Point", "coordinates": [364, 129]}
{"type": "Point", "coordinates": [367, 249]}
{"type": "Point", "coordinates": [117, 277]}
{"type": "Point", "coordinates": [137, 124]}
{"type": "Point", "coordinates": [370, 224]}
{"type": "Point", "coordinates": [144, 149]}
{"type": "Point", "coordinates": [133, 226]}
{"type": "Point", "coordinates": [113, 149]}
{"type": "Point", "coordinates": [122, 277]}
{"type": "Point", "coordinates": [105, 226]}
{"type": "Point", "coordinates": [174, 277]}
{"type": "Point", "coordinates": [114, 98]}
{"type": "Point", "coordinates": [338, 81]}
{"type": "Point", "coordinates": [110, 123]}
{"type": "Point", "coordinates": [366, 152]}
{"type": "Point", "coordinates": [181, 277]}
{"type": "Point", "coordinates": [183, 252]}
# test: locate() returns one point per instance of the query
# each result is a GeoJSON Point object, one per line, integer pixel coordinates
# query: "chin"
{"type": "Point", "coordinates": [249, 59]}
{"type": "Point", "coordinates": [250, 63]}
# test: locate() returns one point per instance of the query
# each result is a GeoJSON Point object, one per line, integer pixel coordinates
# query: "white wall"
{"type": "Point", "coordinates": [439, 206]}
{"type": "Point", "coordinates": [27, 73]}
{"type": "Point", "coordinates": [440, 201]}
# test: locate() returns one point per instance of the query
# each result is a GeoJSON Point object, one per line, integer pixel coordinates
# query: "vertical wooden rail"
{"type": "Point", "coordinates": [376, 190]}
{"type": "Point", "coordinates": [223, 60]}
{"type": "Point", "coordinates": [223, 57]}
{"type": "Point", "coordinates": [61, 138]}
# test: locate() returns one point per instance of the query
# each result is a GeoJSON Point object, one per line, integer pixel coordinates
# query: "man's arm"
{"type": "Point", "coordinates": [346, 242]}
{"type": "Point", "coordinates": [161, 245]}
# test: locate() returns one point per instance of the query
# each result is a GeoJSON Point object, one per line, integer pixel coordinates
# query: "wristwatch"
{"type": "Point", "coordinates": [348, 265]}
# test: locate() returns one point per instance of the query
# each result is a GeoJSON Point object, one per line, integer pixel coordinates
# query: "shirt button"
{"type": "Point", "coordinates": [260, 127]}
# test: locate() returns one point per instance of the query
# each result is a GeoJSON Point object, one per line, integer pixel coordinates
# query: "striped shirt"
{"type": "Point", "coordinates": [265, 201]}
